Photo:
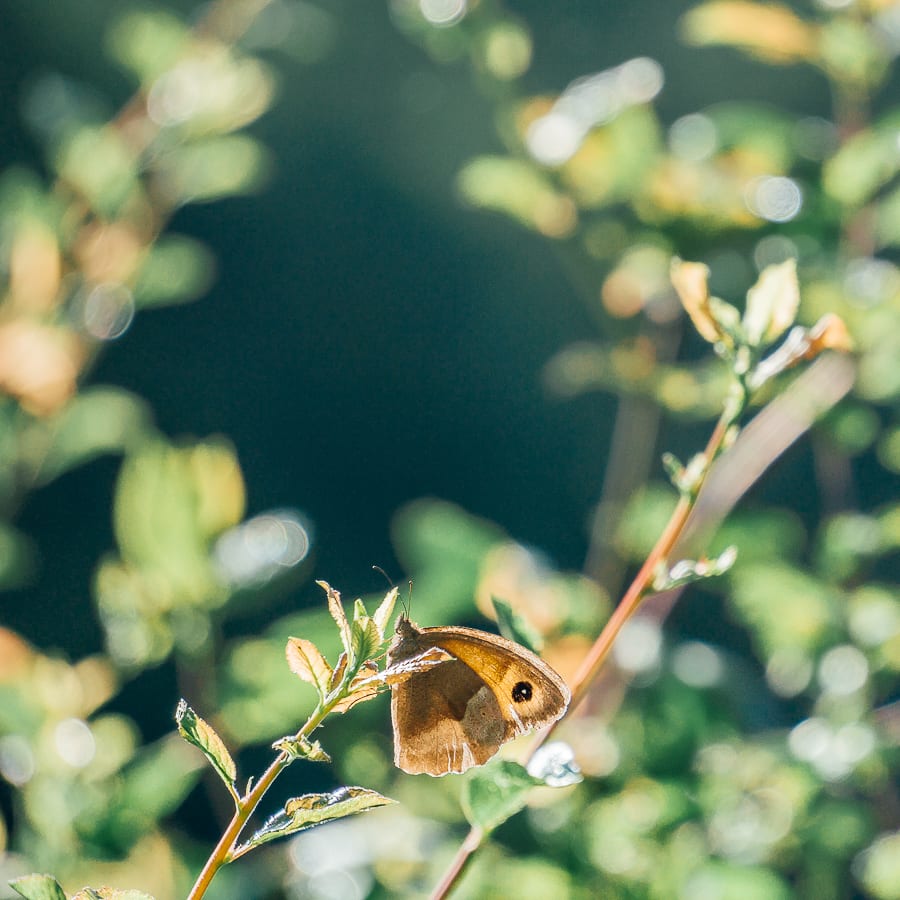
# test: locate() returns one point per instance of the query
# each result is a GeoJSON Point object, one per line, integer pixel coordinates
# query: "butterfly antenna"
{"type": "Point", "coordinates": [385, 574]}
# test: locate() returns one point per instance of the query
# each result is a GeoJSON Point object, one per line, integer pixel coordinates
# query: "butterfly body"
{"type": "Point", "coordinates": [456, 714]}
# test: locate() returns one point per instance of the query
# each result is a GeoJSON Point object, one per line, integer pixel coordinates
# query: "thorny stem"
{"type": "Point", "coordinates": [596, 656]}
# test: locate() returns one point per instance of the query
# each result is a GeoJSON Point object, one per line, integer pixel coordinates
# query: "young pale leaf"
{"type": "Point", "coordinates": [772, 304]}
{"type": "Point", "coordinates": [304, 812]}
{"type": "Point", "coordinates": [364, 637]}
{"type": "Point", "coordinates": [306, 661]}
{"type": "Point", "coordinates": [690, 280]}
{"type": "Point", "coordinates": [108, 893]}
{"type": "Point", "coordinates": [514, 627]}
{"type": "Point", "coordinates": [803, 344]}
{"type": "Point", "coordinates": [385, 609]}
{"type": "Point", "coordinates": [302, 749]}
{"type": "Point", "coordinates": [496, 792]}
{"type": "Point", "coordinates": [202, 735]}
{"type": "Point", "coordinates": [38, 887]}
{"type": "Point", "coordinates": [337, 613]}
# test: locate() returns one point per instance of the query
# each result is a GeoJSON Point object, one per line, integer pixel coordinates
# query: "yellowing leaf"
{"type": "Point", "coordinates": [707, 313]}
{"type": "Point", "coordinates": [385, 608]}
{"type": "Point", "coordinates": [202, 735]}
{"type": "Point", "coordinates": [772, 303]}
{"type": "Point", "coordinates": [306, 661]}
{"type": "Point", "coordinates": [768, 31]}
{"type": "Point", "coordinates": [337, 613]}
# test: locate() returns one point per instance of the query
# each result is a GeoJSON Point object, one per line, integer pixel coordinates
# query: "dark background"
{"type": "Point", "coordinates": [367, 340]}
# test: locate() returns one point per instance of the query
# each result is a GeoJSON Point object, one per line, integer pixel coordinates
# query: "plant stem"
{"type": "Point", "coordinates": [596, 656]}
{"type": "Point", "coordinates": [248, 803]}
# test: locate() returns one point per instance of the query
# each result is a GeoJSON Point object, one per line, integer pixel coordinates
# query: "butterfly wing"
{"type": "Point", "coordinates": [457, 714]}
{"type": "Point", "coordinates": [446, 719]}
{"type": "Point", "coordinates": [528, 692]}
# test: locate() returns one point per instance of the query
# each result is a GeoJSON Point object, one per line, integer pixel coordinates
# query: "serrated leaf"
{"type": "Point", "coordinates": [385, 609]}
{"type": "Point", "coordinates": [496, 792]}
{"type": "Point", "coordinates": [302, 749]}
{"type": "Point", "coordinates": [514, 627]}
{"type": "Point", "coordinates": [306, 661]}
{"type": "Point", "coordinates": [38, 887]}
{"type": "Point", "coordinates": [772, 304]}
{"type": "Point", "coordinates": [108, 893]}
{"type": "Point", "coordinates": [337, 613]}
{"type": "Point", "coordinates": [309, 810]}
{"type": "Point", "coordinates": [203, 736]}
{"type": "Point", "coordinates": [365, 638]}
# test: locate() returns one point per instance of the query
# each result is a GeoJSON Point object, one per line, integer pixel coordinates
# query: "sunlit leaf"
{"type": "Point", "coordinates": [772, 304]}
{"type": "Point", "coordinates": [767, 30]}
{"type": "Point", "coordinates": [203, 736]}
{"type": "Point", "coordinates": [849, 54]}
{"type": "Point", "coordinates": [385, 609]}
{"type": "Point", "coordinates": [364, 633]}
{"type": "Point", "coordinates": [520, 190]}
{"type": "Point", "coordinates": [864, 163]}
{"type": "Point", "coordinates": [176, 269]}
{"type": "Point", "coordinates": [147, 42]}
{"type": "Point", "coordinates": [691, 283]}
{"type": "Point", "coordinates": [97, 162]}
{"type": "Point", "coordinates": [879, 867]}
{"type": "Point", "coordinates": [306, 661]}
{"type": "Point", "coordinates": [99, 420]}
{"type": "Point", "coordinates": [212, 168]}
{"type": "Point", "coordinates": [335, 607]}
{"type": "Point", "coordinates": [304, 812]}
{"type": "Point", "coordinates": [108, 893]}
{"type": "Point", "coordinates": [514, 627]}
{"type": "Point", "coordinates": [495, 792]}
{"type": "Point", "coordinates": [38, 887]}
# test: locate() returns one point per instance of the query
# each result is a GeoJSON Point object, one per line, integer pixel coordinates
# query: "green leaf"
{"type": "Point", "coordinates": [147, 42]}
{"type": "Point", "coordinates": [514, 627]}
{"type": "Point", "coordinates": [864, 163]}
{"type": "Point", "coordinates": [99, 420]}
{"type": "Point", "coordinates": [496, 792]}
{"type": "Point", "coordinates": [154, 784]}
{"type": "Point", "coordinates": [17, 557]}
{"type": "Point", "coordinates": [520, 190]}
{"type": "Point", "coordinates": [214, 167]}
{"type": "Point", "coordinates": [38, 887]}
{"type": "Point", "coordinates": [108, 893]}
{"type": "Point", "coordinates": [177, 269]}
{"type": "Point", "coordinates": [302, 749]}
{"type": "Point", "coordinates": [203, 736]}
{"type": "Point", "coordinates": [383, 613]}
{"type": "Point", "coordinates": [364, 635]}
{"type": "Point", "coordinates": [304, 812]}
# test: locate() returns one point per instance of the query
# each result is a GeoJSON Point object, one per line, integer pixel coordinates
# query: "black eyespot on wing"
{"type": "Point", "coordinates": [522, 691]}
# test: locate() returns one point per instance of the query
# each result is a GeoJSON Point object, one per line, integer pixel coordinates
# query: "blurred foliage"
{"type": "Point", "coordinates": [710, 776]}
